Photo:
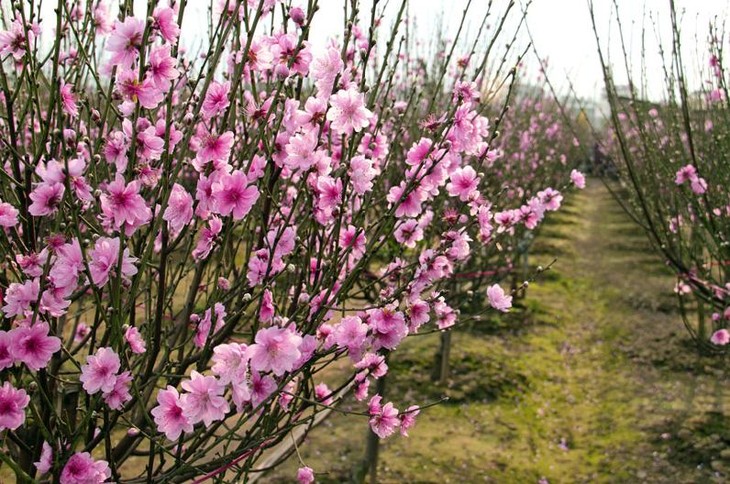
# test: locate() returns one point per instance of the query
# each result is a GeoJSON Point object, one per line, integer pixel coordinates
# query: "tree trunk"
{"type": "Point", "coordinates": [369, 465]}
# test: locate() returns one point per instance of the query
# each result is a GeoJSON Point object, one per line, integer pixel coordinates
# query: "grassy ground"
{"type": "Point", "coordinates": [592, 380]}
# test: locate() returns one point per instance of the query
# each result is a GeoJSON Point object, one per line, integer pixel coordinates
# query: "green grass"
{"type": "Point", "coordinates": [595, 357]}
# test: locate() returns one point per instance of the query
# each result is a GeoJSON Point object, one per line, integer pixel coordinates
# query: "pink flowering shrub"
{"type": "Point", "coordinates": [672, 160]}
{"type": "Point", "coordinates": [530, 167]}
{"type": "Point", "coordinates": [191, 241]}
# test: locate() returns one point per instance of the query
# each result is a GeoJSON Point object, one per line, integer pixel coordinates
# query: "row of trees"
{"type": "Point", "coordinates": [191, 242]}
{"type": "Point", "coordinates": [672, 160]}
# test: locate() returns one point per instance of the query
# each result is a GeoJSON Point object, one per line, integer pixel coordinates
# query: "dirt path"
{"type": "Point", "coordinates": [593, 381]}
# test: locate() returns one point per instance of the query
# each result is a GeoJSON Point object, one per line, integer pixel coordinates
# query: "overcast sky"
{"type": "Point", "coordinates": [561, 30]}
{"type": "Point", "coordinates": [562, 33]}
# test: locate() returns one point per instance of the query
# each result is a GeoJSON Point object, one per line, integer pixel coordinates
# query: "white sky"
{"type": "Point", "coordinates": [561, 30]}
{"type": "Point", "coordinates": [562, 33]}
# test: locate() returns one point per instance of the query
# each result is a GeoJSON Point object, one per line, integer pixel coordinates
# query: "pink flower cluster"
{"type": "Point", "coordinates": [101, 373]}
{"type": "Point", "coordinates": [689, 174]}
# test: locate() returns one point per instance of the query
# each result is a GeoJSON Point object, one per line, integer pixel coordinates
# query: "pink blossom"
{"type": "Point", "coordinates": [354, 239]}
{"type": "Point", "coordinates": [305, 475]}
{"type": "Point", "coordinates": [8, 215]}
{"type": "Point", "coordinates": [147, 93]}
{"type": "Point", "coordinates": [234, 196]}
{"type": "Point", "coordinates": [685, 173]}
{"type": "Point", "coordinates": [216, 148]}
{"type": "Point", "coordinates": [13, 41]}
{"type": "Point", "coordinates": [179, 211]}
{"type": "Point", "coordinates": [408, 233]}
{"type": "Point", "coordinates": [267, 307]}
{"type": "Point", "coordinates": [445, 314]}
{"type": "Point", "coordinates": [285, 50]}
{"type": "Point", "coordinates": [205, 324]}
{"type": "Point", "coordinates": [351, 333]}
{"type": "Point", "coordinates": [550, 198]}
{"type": "Point", "coordinates": [81, 468]}
{"type": "Point", "coordinates": [306, 349]}
{"type": "Point", "coordinates": [262, 387]}
{"type": "Point", "coordinates": [81, 332]}
{"type": "Point", "coordinates": [168, 414]}
{"type": "Point", "coordinates": [286, 242]}
{"type": "Point", "coordinates": [46, 199]}
{"type": "Point", "coordinates": [363, 386]}
{"type": "Point", "coordinates": [323, 394]}
{"type": "Point", "coordinates": [531, 216]}
{"type": "Point", "coordinates": [166, 24]}
{"type": "Point", "coordinates": [207, 237]}
{"type": "Point", "coordinates": [418, 314]}
{"type": "Point", "coordinates": [324, 69]}
{"type": "Point", "coordinates": [721, 337]}
{"type": "Point", "coordinates": [388, 326]}
{"type": "Point", "coordinates": [125, 41]}
{"type": "Point", "coordinates": [383, 419]}
{"type": "Point", "coordinates": [408, 419]}
{"type": "Point", "coordinates": [73, 169]}
{"type": "Point", "coordinates": [498, 299]}
{"type": "Point", "coordinates": [12, 406]}
{"type": "Point", "coordinates": [230, 362]}
{"type": "Point", "coordinates": [505, 219]}
{"type": "Point", "coordinates": [698, 185]}
{"type": "Point", "coordinates": [203, 401]}
{"type": "Point", "coordinates": [69, 263]}
{"type": "Point", "coordinates": [19, 297]}
{"type": "Point", "coordinates": [100, 371]}
{"type": "Point", "coordinates": [458, 242]}
{"type": "Point", "coordinates": [102, 19]}
{"type": "Point", "coordinates": [104, 258]}
{"type": "Point", "coordinates": [33, 346]}
{"type": "Point", "coordinates": [216, 99]}
{"type": "Point", "coordinates": [119, 395]}
{"type": "Point", "coordinates": [161, 69]}
{"type": "Point", "coordinates": [578, 179]}
{"type": "Point", "coordinates": [54, 301]}
{"type": "Point", "coordinates": [362, 174]}
{"type": "Point", "coordinates": [33, 263]}
{"type": "Point", "coordinates": [276, 349]}
{"type": "Point", "coordinates": [463, 184]}
{"type": "Point", "coordinates": [329, 192]}
{"type": "Point", "coordinates": [68, 100]}
{"type": "Point", "coordinates": [682, 288]}
{"type": "Point", "coordinates": [45, 463]}
{"type": "Point", "coordinates": [410, 205]}
{"type": "Point", "coordinates": [300, 150]}
{"type": "Point", "coordinates": [258, 266]}
{"type": "Point", "coordinates": [134, 340]}
{"type": "Point", "coordinates": [6, 357]}
{"type": "Point", "coordinates": [348, 112]}
{"type": "Point", "coordinates": [466, 91]}
{"type": "Point", "coordinates": [297, 15]}
{"type": "Point", "coordinates": [123, 204]}
{"type": "Point", "coordinates": [373, 362]}
{"type": "Point", "coordinates": [115, 150]}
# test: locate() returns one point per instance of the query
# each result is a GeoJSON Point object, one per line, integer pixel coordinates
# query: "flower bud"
{"type": "Point", "coordinates": [297, 15]}
{"type": "Point", "coordinates": [282, 72]}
